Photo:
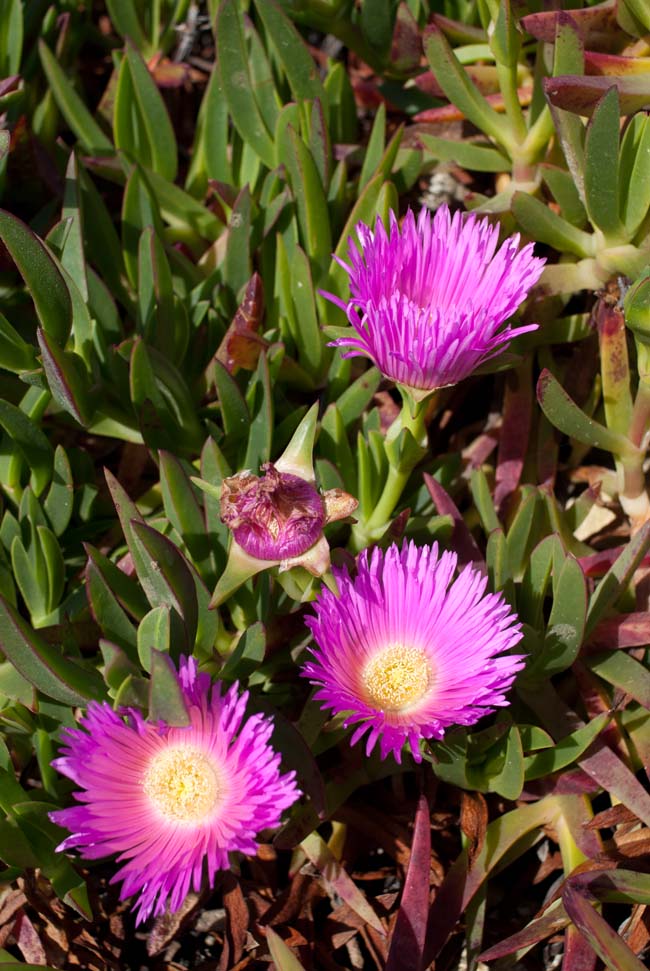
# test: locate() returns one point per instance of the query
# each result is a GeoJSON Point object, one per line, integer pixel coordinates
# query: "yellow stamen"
{"type": "Point", "coordinates": [397, 677]}
{"type": "Point", "coordinates": [183, 784]}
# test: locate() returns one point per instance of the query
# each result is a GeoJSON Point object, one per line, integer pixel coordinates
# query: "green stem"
{"type": "Point", "coordinates": [412, 418]}
{"type": "Point", "coordinates": [538, 137]}
{"type": "Point", "coordinates": [508, 84]}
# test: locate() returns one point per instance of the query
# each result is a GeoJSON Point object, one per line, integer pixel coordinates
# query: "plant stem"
{"type": "Point", "coordinates": [411, 417]}
{"type": "Point", "coordinates": [508, 85]}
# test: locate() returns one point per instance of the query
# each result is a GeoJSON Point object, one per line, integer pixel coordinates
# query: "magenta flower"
{"type": "Point", "coordinates": [406, 652]}
{"type": "Point", "coordinates": [428, 303]}
{"type": "Point", "coordinates": [167, 799]}
{"type": "Point", "coordinates": [276, 516]}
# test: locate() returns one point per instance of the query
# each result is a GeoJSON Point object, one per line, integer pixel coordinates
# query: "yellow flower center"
{"type": "Point", "coordinates": [182, 783]}
{"type": "Point", "coordinates": [397, 677]}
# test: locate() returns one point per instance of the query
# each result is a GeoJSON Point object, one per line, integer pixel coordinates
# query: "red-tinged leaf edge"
{"type": "Point", "coordinates": [461, 540]}
{"type": "Point", "coordinates": [409, 933]}
{"type": "Point", "coordinates": [41, 275]}
{"type": "Point", "coordinates": [42, 665]}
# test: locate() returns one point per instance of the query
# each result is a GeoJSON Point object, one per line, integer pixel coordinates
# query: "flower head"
{"type": "Point", "coordinates": [406, 651]}
{"type": "Point", "coordinates": [167, 799]}
{"type": "Point", "coordinates": [428, 302]}
{"type": "Point", "coordinates": [273, 517]}
{"type": "Point", "coordinates": [277, 519]}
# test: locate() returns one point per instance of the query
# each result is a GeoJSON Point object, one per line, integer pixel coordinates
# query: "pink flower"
{"type": "Point", "coordinates": [428, 303]}
{"type": "Point", "coordinates": [273, 517]}
{"type": "Point", "coordinates": [169, 799]}
{"type": "Point", "coordinates": [406, 651]}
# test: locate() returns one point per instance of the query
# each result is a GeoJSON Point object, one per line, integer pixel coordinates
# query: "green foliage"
{"type": "Point", "coordinates": [170, 240]}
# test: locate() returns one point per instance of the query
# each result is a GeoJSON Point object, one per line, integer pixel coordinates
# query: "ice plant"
{"type": "Point", "coordinates": [429, 303]}
{"type": "Point", "coordinates": [405, 651]}
{"type": "Point", "coordinates": [169, 799]}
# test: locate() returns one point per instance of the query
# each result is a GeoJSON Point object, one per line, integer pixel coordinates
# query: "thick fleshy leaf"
{"type": "Point", "coordinates": [297, 62]}
{"type": "Point", "coordinates": [154, 634]}
{"type": "Point", "coordinates": [459, 89]}
{"type": "Point", "coordinates": [42, 665]}
{"type": "Point", "coordinates": [185, 513]}
{"type": "Point", "coordinates": [471, 156]}
{"type": "Point", "coordinates": [41, 275]}
{"type": "Point", "coordinates": [617, 577]}
{"type": "Point", "coordinates": [407, 941]}
{"type": "Point", "coordinates": [166, 698]}
{"type": "Point", "coordinates": [622, 671]}
{"type": "Point", "coordinates": [141, 124]}
{"type": "Point", "coordinates": [67, 378]}
{"type": "Point", "coordinates": [237, 83]}
{"type": "Point", "coordinates": [567, 751]}
{"type": "Point", "coordinates": [15, 353]}
{"type": "Point", "coordinates": [581, 95]}
{"type": "Point", "coordinates": [547, 227]}
{"type": "Point", "coordinates": [609, 946]}
{"type": "Point", "coordinates": [32, 445]}
{"type": "Point", "coordinates": [167, 579]}
{"type": "Point", "coordinates": [601, 167]}
{"type": "Point", "coordinates": [564, 413]}
{"type": "Point", "coordinates": [283, 957]}
{"type": "Point", "coordinates": [72, 107]}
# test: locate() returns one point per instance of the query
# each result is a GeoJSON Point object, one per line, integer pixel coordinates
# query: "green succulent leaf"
{"type": "Point", "coordinates": [141, 124]}
{"type": "Point", "coordinates": [41, 275]}
{"type": "Point", "coordinates": [236, 82]}
{"type": "Point", "coordinates": [166, 698]}
{"type": "Point", "coordinates": [601, 167]}
{"type": "Point", "coordinates": [72, 107]}
{"type": "Point", "coordinates": [42, 665]}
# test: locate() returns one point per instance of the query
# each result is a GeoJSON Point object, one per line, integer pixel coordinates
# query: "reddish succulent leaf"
{"type": "Point", "coordinates": [609, 946]}
{"type": "Point", "coordinates": [598, 564]}
{"type": "Point", "coordinates": [579, 955]}
{"type": "Point", "coordinates": [510, 834]}
{"type": "Point", "coordinates": [451, 113]}
{"type": "Point", "coordinates": [581, 94]}
{"type": "Point", "coordinates": [406, 45]}
{"type": "Point", "coordinates": [461, 539]}
{"type": "Point", "coordinates": [613, 64]}
{"type": "Point", "coordinates": [622, 631]}
{"type": "Point", "coordinates": [549, 921]}
{"type": "Point", "coordinates": [596, 25]}
{"type": "Point", "coordinates": [484, 76]}
{"type": "Point", "coordinates": [515, 433]}
{"type": "Point", "coordinates": [407, 941]}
